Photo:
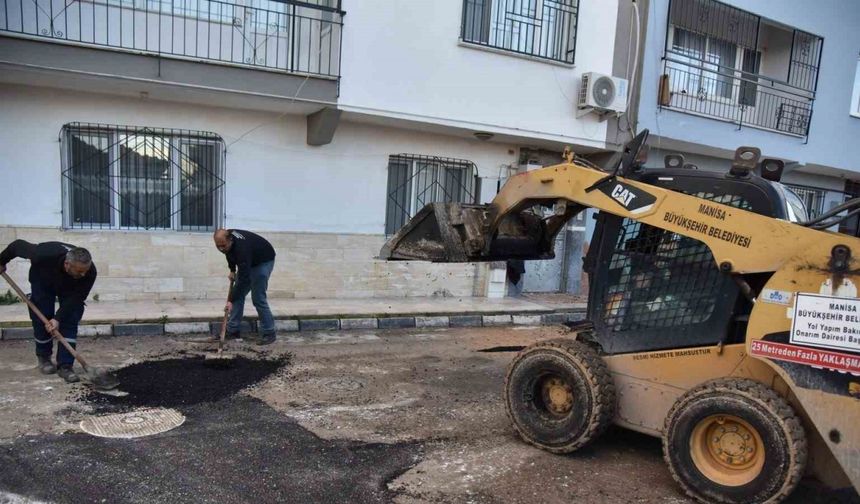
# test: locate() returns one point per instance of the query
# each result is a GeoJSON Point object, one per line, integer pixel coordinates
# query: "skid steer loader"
{"type": "Point", "coordinates": [721, 318]}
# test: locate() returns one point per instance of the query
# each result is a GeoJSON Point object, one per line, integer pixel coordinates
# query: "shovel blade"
{"type": "Point", "coordinates": [102, 380]}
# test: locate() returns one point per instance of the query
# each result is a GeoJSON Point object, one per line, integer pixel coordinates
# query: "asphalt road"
{"type": "Point", "coordinates": [381, 416]}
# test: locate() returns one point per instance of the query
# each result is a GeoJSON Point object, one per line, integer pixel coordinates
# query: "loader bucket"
{"type": "Point", "coordinates": [455, 232]}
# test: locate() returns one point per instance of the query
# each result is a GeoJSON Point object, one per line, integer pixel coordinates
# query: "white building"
{"type": "Point", "coordinates": [135, 127]}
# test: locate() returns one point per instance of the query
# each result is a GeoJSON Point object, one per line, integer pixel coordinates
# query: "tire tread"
{"type": "Point", "coordinates": [599, 381]}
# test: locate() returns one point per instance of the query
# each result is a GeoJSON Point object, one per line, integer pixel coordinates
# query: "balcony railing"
{"type": "Point", "coordinates": [741, 98]}
{"type": "Point", "coordinates": [284, 35]}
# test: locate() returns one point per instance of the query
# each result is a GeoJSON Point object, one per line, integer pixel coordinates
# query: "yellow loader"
{"type": "Point", "coordinates": [721, 318]}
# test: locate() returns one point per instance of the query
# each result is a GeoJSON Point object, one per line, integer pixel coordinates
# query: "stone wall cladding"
{"type": "Point", "coordinates": [167, 265]}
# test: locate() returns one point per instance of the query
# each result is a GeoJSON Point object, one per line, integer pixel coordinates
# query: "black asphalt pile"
{"type": "Point", "coordinates": [183, 382]}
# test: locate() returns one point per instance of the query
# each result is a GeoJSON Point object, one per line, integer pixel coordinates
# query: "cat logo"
{"type": "Point", "coordinates": [622, 195]}
{"type": "Point", "coordinates": [633, 199]}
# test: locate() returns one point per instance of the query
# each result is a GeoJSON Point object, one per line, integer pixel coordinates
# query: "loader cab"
{"type": "Point", "coordinates": [653, 289]}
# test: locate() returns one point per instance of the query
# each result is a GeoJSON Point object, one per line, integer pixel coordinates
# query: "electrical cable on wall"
{"type": "Point", "coordinates": [633, 74]}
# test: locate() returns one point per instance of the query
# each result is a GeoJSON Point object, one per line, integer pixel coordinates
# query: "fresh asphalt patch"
{"type": "Point", "coordinates": [236, 450]}
{"type": "Point", "coordinates": [231, 449]}
{"type": "Point", "coordinates": [182, 381]}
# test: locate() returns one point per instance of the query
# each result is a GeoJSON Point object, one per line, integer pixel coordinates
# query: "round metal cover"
{"type": "Point", "coordinates": [344, 384]}
{"type": "Point", "coordinates": [133, 424]}
{"type": "Point", "coordinates": [604, 91]}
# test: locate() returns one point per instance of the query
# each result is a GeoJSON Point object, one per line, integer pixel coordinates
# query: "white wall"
{"type": "Point", "coordinates": [402, 59]}
{"type": "Point", "coordinates": [275, 181]}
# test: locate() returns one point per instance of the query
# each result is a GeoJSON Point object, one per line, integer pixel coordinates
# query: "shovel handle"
{"type": "Point", "coordinates": [55, 334]}
{"type": "Point", "coordinates": [226, 316]}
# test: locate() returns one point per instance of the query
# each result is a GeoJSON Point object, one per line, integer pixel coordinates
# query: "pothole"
{"type": "Point", "coordinates": [133, 424]}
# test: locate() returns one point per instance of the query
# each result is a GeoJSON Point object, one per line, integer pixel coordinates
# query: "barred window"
{"type": "Point", "coordinates": [130, 177]}
{"type": "Point", "coordinates": [733, 65]}
{"type": "Point", "coordinates": [414, 181]}
{"type": "Point", "coordinates": [812, 198]}
{"type": "Point", "coordinates": [541, 28]}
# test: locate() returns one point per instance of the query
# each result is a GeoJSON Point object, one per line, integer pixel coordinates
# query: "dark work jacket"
{"type": "Point", "coordinates": [46, 269]}
{"type": "Point", "coordinates": [248, 250]}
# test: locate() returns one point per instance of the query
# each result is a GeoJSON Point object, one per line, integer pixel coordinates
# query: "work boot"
{"type": "Point", "coordinates": [68, 374]}
{"type": "Point", "coordinates": [46, 366]}
{"type": "Point", "coordinates": [266, 339]}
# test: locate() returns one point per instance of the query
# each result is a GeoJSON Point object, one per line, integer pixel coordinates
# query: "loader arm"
{"type": "Point", "coordinates": [507, 228]}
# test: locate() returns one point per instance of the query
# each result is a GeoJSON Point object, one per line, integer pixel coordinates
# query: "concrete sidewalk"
{"type": "Point", "coordinates": [195, 316]}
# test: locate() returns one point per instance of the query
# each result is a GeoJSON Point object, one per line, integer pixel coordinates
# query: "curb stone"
{"type": "Point", "coordinates": [314, 324]}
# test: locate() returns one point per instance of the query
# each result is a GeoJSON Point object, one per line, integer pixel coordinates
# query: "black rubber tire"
{"type": "Point", "coordinates": [593, 391]}
{"type": "Point", "coordinates": [780, 429]}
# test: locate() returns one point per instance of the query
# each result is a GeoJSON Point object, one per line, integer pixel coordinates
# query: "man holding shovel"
{"type": "Point", "coordinates": [57, 271]}
{"type": "Point", "coordinates": [251, 259]}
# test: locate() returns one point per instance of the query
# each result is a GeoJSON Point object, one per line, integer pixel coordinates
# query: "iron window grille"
{"type": "Point", "coordinates": [715, 66]}
{"type": "Point", "coordinates": [139, 178]}
{"type": "Point", "coordinates": [279, 35]}
{"type": "Point", "coordinates": [541, 28]}
{"type": "Point", "coordinates": [415, 180]}
{"type": "Point", "coordinates": [812, 198]}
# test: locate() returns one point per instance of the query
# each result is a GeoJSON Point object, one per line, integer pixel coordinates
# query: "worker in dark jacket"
{"type": "Point", "coordinates": [251, 259]}
{"type": "Point", "coordinates": [57, 271]}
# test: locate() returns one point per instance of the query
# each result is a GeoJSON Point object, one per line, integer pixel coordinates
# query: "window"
{"type": "Point", "coordinates": [710, 62]}
{"type": "Point", "coordinates": [797, 210]}
{"type": "Point", "coordinates": [126, 177]}
{"type": "Point", "coordinates": [414, 181]}
{"type": "Point", "coordinates": [541, 28]}
{"type": "Point", "coordinates": [716, 65]}
{"type": "Point", "coordinates": [194, 9]}
{"type": "Point", "coordinates": [812, 198]}
{"type": "Point", "coordinates": [855, 95]}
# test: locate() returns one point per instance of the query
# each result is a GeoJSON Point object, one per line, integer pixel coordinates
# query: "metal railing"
{"type": "Point", "coordinates": [544, 29]}
{"type": "Point", "coordinates": [131, 177]}
{"type": "Point", "coordinates": [283, 35]}
{"type": "Point", "coordinates": [735, 96]}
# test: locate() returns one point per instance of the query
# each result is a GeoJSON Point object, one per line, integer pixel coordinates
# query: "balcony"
{"type": "Point", "coordinates": [288, 37]}
{"type": "Point", "coordinates": [731, 65]}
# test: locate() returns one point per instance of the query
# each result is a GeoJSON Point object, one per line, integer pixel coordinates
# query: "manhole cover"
{"type": "Point", "coordinates": [344, 384]}
{"type": "Point", "coordinates": [134, 424]}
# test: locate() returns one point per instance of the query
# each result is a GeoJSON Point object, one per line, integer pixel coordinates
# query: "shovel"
{"type": "Point", "coordinates": [220, 358]}
{"type": "Point", "coordinates": [99, 379]}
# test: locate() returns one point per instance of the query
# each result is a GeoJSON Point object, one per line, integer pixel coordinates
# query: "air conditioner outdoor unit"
{"type": "Point", "coordinates": [602, 94]}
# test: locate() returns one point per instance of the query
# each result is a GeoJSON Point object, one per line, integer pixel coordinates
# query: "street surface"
{"type": "Point", "coordinates": [407, 416]}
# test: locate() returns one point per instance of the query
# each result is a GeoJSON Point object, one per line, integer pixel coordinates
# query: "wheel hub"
{"type": "Point", "coordinates": [731, 443]}
{"type": "Point", "coordinates": [727, 450]}
{"type": "Point", "coordinates": [557, 395]}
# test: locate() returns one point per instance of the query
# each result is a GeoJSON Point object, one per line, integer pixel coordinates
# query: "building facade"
{"type": "Point", "coordinates": [780, 76]}
{"type": "Point", "coordinates": [136, 127]}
